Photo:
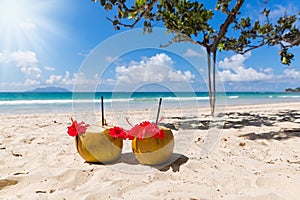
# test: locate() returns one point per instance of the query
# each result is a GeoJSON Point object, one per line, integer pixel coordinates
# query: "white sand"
{"type": "Point", "coordinates": [255, 156]}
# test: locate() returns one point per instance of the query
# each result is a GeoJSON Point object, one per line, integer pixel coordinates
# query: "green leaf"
{"type": "Point", "coordinates": [139, 2]}
{"type": "Point", "coordinates": [132, 15]}
{"type": "Point", "coordinates": [221, 46]}
{"type": "Point", "coordinates": [108, 6]}
{"type": "Point", "coordinates": [284, 60]}
{"type": "Point", "coordinates": [266, 12]}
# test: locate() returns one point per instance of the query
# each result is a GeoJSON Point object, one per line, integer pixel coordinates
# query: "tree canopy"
{"type": "Point", "coordinates": [191, 20]}
{"type": "Point", "coordinates": [195, 22]}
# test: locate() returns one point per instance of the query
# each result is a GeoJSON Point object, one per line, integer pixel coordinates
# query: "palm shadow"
{"type": "Point", "coordinates": [235, 120]}
{"type": "Point", "coordinates": [283, 134]}
{"type": "Point", "coordinates": [174, 163]}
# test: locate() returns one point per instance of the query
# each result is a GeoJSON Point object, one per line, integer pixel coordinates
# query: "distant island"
{"type": "Point", "coordinates": [292, 90]}
{"type": "Point", "coordinates": [49, 89]}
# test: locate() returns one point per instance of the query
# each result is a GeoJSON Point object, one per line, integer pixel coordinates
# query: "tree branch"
{"type": "Point", "coordinates": [181, 38]}
{"type": "Point", "coordinates": [252, 47]}
{"type": "Point", "coordinates": [148, 7]}
{"type": "Point", "coordinates": [295, 42]}
{"type": "Point", "coordinates": [224, 27]}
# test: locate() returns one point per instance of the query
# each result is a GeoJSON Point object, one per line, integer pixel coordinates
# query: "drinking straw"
{"type": "Point", "coordinates": [102, 110]}
{"type": "Point", "coordinates": [158, 111]}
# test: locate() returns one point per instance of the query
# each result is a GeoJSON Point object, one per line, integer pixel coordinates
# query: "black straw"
{"type": "Point", "coordinates": [102, 110]}
{"type": "Point", "coordinates": [158, 111]}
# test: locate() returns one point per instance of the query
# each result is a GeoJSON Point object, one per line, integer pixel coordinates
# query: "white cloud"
{"type": "Point", "coordinates": [234, 61]}
{"type": "Point", "coordinates": [158, 68]}
{"type": "Point", "coordinates": [235, 70]}
{"type": "Point", "coordinates": [31, 82]}
{"type": "Point", "coordinates": [50, 69]}
{"type": "Point", "coordinates": [280, 11]}
{"type": "Point", "coordinates": [32, 71]}
{"type": "Point", "coordinates": [54, 79]}
{"type": "Point", "coordinates": [192, 53]}
{"type": "Point", "coordinates": [13, 86]}
{"type": "Point", "coordinates": [179, 76]}
{"type": "Point", "coordinates": [122, 69]}
{"type": "Point", "coordinates": [82, 54]}
{"type": "Point", "coordinates": [110, 81]}
{"type": "Point", "coordinates": [18, 86]}
{"type": "Point", "coordinates": [28, 25]}
{"type": "Point", "coordinates": [27, 61]}
{"type": "Point", "coordinates": [61, 80]}
{"type": "Point", "coordinates": [20, 58]}
{"type": "Point", "coordinates": [268, 70]}
{"type": "Point", "coordinates": [110, 58]}
{"type": "Point", "coordinates": [202, 70]}
{"type": "Point", "coordinates": [160, 59]}
{"type": "Point", "coordinates": [67, 79]}
{"type": "Point", "coordinates": [292, 73]}
{"type": "Point", "coordinates": [97, 76]}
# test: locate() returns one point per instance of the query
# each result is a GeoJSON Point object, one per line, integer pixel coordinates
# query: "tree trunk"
{"type": "Point", "coordinates": [210, 91]}
{"type": "Point", "coordinates": [211, 74]}
{"type": "Point", "coordinates": [214, 83]}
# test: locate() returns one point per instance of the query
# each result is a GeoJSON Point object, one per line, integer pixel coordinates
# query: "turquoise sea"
{"type": "Point", "coordinates": [60, 102]}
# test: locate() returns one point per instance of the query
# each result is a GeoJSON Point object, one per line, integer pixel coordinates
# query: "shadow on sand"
{"type": "Point", "coordinates": [283, 134]}
{"type": "Point", "coordinates": [173, 163]}
{"type": "Point", "coordinates": [234, 120]}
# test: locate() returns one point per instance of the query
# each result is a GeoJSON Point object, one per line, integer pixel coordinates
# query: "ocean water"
{"type": "Point", "coordinates": [24, 103]}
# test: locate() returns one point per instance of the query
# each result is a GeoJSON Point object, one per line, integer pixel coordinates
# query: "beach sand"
{"type": "Point", "coordinates": [255, 154]}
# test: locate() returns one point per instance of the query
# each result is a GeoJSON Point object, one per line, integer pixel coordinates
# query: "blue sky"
{"type": "Point", "coordinates": [48, 43]}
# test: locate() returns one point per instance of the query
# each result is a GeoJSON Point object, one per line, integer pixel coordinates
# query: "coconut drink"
{"type": "Point", "coordinates": [98, 145]}
{"type": "Point", "coordinates": [152, 145]}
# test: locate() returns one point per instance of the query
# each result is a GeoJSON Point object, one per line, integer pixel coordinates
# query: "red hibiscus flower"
{"type": "Point", "coordinates": [145, 130]}
{"type": "Point", "coordinates": [77, 128]}
{"type": "Point", "coordinates": [118, 132]}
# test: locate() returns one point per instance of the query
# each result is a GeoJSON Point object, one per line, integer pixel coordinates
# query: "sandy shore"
{"type": "Point", "coordinates": [253, 154]}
